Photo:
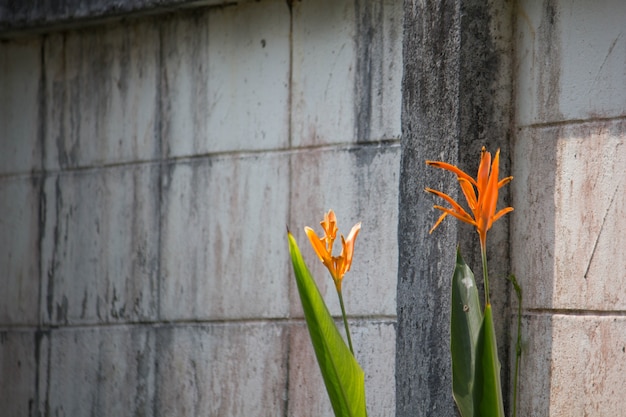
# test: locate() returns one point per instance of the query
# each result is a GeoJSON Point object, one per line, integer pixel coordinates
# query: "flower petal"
{"type": "Point", "coordinates": [451, 168]}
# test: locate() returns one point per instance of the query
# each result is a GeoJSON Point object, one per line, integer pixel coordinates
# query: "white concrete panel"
{"type": "Point", "coordinates": [102, 371]}
{"type": "Point", "coordinates": [100, 246]}
{"type": "Point", "coordinates": [224, 244]}
{"type": "Point", "coordinates": [571, 60]}
{"type": "Point", "coordinates": [572, 366]}
{"type": "Point", "coordinates": [359, 184]}
{"type": "Point", "coordinates": [375, 346]}
{"type": "Point", "coordinates": [102, 92]}
{"type": "Point", "coordinates": [233, 369]}
{"type": "Point", "coordinates": [569, 198]}
{"type": "Point", "coordinates": [346, 71]}
{"type": "Point", "coordinates": [20, 75]}
{"type": "Point", "coordinates": [226, 79]}
{"type": "Point", "coordinates": [19, 365]}
{"type": "Point", "coordinates": [19, 250]}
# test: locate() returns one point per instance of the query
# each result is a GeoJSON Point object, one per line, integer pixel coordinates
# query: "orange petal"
{"type": "Point", "coordinates": [451, 168]}
{"type": "Point", "coordinates": [470, 194]}
{"type": "Point", "coordinates": [457, 207]}
{"type": "Point", "coordinates": [438, 222]}
{"type": "Point", "coordinates": [464, 217]}
{"type": "Point", "coordinates": [318, 246]}
{"type": "Point", "coordinates": [483, 170]}
{"type": "Point", "coordinates": [504, 181]}
{"type": "Point", "coordinates": [498, 215]}
{"type": "Point", "coordinates": [348, 248]}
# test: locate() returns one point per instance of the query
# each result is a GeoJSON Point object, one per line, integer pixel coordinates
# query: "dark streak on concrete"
{"type": "Point", "coordinates": [451, 71]}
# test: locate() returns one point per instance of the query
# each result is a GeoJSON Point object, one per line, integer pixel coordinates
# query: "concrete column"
{"type": "Point", "coordinates": [456, 98]}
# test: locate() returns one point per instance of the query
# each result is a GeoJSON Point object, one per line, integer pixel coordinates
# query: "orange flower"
{"type": "Point", "coordinates": [337, 265]}
{"type": "Point", "coordinates": [481, 195]}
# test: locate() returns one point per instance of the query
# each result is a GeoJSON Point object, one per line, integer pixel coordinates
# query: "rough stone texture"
{"type": "Point", "coordinates": [374, 344]}
{"type": "Point", "coordinates": [207, 87]}
{"type": "Point", "coordinates": [345, 71]}
{"type": "Point", "coordinates": [571, 58]}
{"type": "Point", "coordinates": [100, 255]}
{"type": "Point", "coordinates": [360, 185]}
{"type": "Point", "coordinates": [224, 241]}
{"type": "Point", "coordinates": [222, 370]}
{"type": "Point", "coordinates": [456, 98]}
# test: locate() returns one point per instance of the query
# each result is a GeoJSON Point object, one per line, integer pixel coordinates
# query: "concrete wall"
{"type": "Point", "coordinates": [569, 193]}
{"type": "Point", "coordinates": [148, 168]}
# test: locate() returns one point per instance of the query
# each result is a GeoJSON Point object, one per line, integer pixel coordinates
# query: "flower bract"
{"type": "Point", "coordinates": [323, 246]}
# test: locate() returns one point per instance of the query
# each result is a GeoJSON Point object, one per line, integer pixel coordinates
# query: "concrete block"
{"type": "Point", "coordinates": [103, 371]}
{"type": "Point", "coordinates": [20, 69]}
{"type": "Point", "coordinates": [101, 245]}
{"type": "Point", "coordinates": [19, 365]}
{"type": "Point", "coordinates": [572, 366]}
{"type": "Point", "coordinates": [346, 71]}
{"type": "Point", "coordinates": [569, 200]}
{"type": "Point", "coordinates": [359, 184]}
{"type": "Point", "coordinates": [234, 369]}
{"type": "Point", "coordinates": [224, 245]}
{"type": "Point", "coordinates": [570, 58]}
{"type": "Point", "coordinates": [226, 79]}
{"type": "Point", "coordinates": [102, 92]}
{"type": "Point", "coordinates": [20, 231]}
{"type": "Point", "coordinates": [375, 346]}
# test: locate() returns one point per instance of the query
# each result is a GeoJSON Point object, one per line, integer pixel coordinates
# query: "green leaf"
{"type": "Point", "coordinates": [465, 327]}
{"type": "Point", "coordinates": [488, 392]}
{"type": "Point", "coordinates": [343, 377]}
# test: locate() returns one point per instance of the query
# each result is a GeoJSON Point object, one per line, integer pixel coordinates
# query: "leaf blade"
{"type": "Point", "coordinates": [343, 376]}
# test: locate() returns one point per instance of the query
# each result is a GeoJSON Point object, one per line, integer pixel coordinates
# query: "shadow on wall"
{"type": "Point", "coordinates": [532, 259]}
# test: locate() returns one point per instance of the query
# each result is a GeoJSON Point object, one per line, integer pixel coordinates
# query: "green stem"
{"type": "Point", "coordinates": [483, 252]}
{"type": "Point", "coordinates": [345, 321]}
{"type": "Point", "coordinates": [518, 344]}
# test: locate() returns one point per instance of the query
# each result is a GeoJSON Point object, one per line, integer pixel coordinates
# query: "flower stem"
{"type": "Point", "coordinates": [483, 252]}
{"type": "Point", "coordinates": [345, 321]}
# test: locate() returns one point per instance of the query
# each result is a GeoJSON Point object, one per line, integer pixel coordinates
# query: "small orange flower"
{"type": "Point", "coordinates": [481, 195]}
{"type": "Point", "coordinates": [337, 265]}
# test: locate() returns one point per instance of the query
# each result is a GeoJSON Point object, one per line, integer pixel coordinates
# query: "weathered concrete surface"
{"type": "Point", "coordinates": [575, 365]}
{"type": "Point", "coordinates": [17, 16]}
{"type": "Point", "coordinates": [20, 119]}
{"type": "Point", "coordinates": [568, 251]}
{"type": "Point", "coordinates": [374, 344]}
{"type": "Point", "coordinates": [148, 167]}
{"type": "Point", "coordinates": [571, 58]}
{"type": "Point", "coordinates": [101, 96]}
{"type": "Point", "coordinates": [19, 363]}
{"type": "Point", "coordinates": [224, 249]}
{"type": "Point", "coordinates": [237, 369]}
{"type": "Point", "coordinates": [456, 98]}
{"type": "Point", "coordinates": [20, 231]}
{"type": "Point", "coordinates": [215, 100]}
{"type": "Point", "coordinates": [346, 71]}
{"type": "Point", "coordinates": [99, 254]}
{"type": "Point", "coordinates": [360, 184]}
{"type": "Point", "coordinates": [103, 371]}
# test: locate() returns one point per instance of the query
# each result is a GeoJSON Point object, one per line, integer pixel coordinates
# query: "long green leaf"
{"type": "Point", "coordinates": [343, 377]}
{"type": "Point", "coordinates": [488, 392]}
{"type": "Point", "coordinates": [465, 325]}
